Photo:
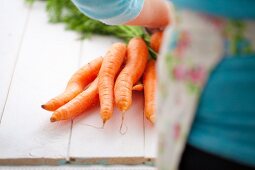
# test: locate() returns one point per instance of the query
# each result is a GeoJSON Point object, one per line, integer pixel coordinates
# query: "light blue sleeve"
{"type": "Point", "coordinates": [111, 12]}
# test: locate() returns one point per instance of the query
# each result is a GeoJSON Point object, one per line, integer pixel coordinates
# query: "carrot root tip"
{"type": "Point", "coordinates": [152, 119]}
{"type": "Point", "coordinates": [47, 107]}
{"type": "Point", "coordinates": [53, 119]}
{"type": "Point", "coordinates": [104, 121]}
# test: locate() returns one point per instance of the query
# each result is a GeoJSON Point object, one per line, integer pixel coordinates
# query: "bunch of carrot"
{"type": "Point", "coordinates": [110, 80]}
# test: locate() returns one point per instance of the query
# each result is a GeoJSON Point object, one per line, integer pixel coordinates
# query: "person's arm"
{"type": "Point", "coordinates": [148, 13]}
{"type": "Point", "coordinates": [154, 14]}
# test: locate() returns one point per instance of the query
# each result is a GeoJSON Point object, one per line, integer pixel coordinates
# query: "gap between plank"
{"type": "Point", "coordinates": [69, 142]}
{"type": "Point", "coordinates": [16, 59]}
{"type": "Point", "coordinates": [71, 129]}
{"type": "Point", "coordinates": [144, 135]}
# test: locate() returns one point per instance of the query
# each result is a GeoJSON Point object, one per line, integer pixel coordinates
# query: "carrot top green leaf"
{"type": "Point", "coordinates": [64, 11]}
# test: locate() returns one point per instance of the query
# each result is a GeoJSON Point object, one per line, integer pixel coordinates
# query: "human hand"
{"type": "Point", "coordinates": [155, 14]}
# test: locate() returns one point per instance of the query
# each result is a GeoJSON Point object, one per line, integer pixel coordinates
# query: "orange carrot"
{"type": "Point", "coordinates": [79, 104]}
{"type": "Point", "coordinates": [110, 68]}
{"type": "Point", "coordinates": [137, 56]}
{"type": "Point", "coordinates": [85, 100]}
{"type": "Point", "coordinates": [138, 87]}
{"type": "Point", "coordinates": [149, 81]}
{"type": "Point", "coordinates": [76, 84]}
{"type": "Point", "coordinates": [156, 40]}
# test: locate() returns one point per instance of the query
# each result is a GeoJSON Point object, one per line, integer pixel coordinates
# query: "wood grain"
{"type": "Point", "coordinates": [47, 58]}
{"type": "Point", "coordinates": [14, 17]}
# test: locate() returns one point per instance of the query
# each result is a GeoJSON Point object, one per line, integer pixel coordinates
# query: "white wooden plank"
{"type": "Point", "coordinates": [13, 19]}
{"type": "Point", "coordinates": [48, 56]}
{"type": "Point", "coordinates": [107, 146]}
{"type": "Point", "coordinates": [95, 46]}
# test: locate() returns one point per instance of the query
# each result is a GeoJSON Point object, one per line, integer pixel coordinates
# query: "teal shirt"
{"type": "Point", "coordinates": [111, 12]}
{"type": "Point", "coordinates": [225, 120]}
{"type": "Point", "coordinates": [236, 9]}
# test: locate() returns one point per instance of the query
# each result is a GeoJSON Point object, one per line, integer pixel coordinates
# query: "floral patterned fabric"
{"type": "Point", "coordinates": [191, 49]}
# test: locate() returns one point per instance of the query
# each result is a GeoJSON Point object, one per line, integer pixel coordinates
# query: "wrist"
{"type": "Point", "coordinates": [155, 14]}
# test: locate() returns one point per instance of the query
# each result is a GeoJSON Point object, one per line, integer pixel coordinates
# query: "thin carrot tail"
{"type": "Point", "coordinates": [106, 113]}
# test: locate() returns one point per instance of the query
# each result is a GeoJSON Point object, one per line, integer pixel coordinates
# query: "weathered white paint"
{"type": "Point", "coordinates": [107, 145]}
{"type": "Point", "coordinates": [47, 58]}
{"type": "Point", "coordinates": [95, 46]}
{"type": "Point", "coordinates": [13, 17]}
